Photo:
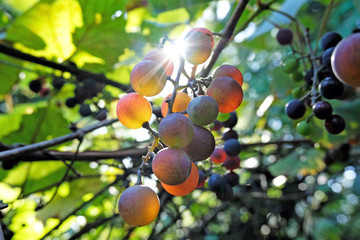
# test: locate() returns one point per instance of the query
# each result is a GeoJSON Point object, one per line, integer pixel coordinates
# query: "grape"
{"type": "Point", "coordinates": [202, 178]}
{"type": "Point", "coordinates": [176, 130]}
{"type": "Point", "coordinates": [171, 166]}
{"type": "Point", "coordinates": [218, 156]}
{"type": "Point", "coordinates": [163, 58]}
{"type": "Point", "coordinates": [216, 126]}
{"type": "Point", "coordinates": [348, 92]}
{"type": "Point", "coordinates": [229, 71]}
{"type": "Point", "coordinates": [82, 93]}
{"type": "Point", "coordinates": [133, 110]}
{"type": "Point", "coordinates": [35, 85]}
{"type": "Point", "coordinates": [216, 182]}
{"type": "Point", "coordinates": [345, 60]}
{"type": "Point", "coordinates": [309, 77]}
{"type": "Point", "coordinates": [326, 57]}
{"type": "Point", "coordinates": [101, 114]}
{"type": "Point", "coordinates": [71, 102]}
{"type": "Point", "coordinates": [322, 110]}
{"type": "Point", "coordinates": [232, 147]}
{"type": "Point", "coordinates": [231, 121]}
{"type": "Point", "coordinates": [303, 128]}
{"type": "Point", "coordinates": [84, 110]}
{"type": "Point", "coordinates": [226, 92]}
{"type": "Point", "coordinates": [198, 45]}
{"type": "Point", "coordinates": [202, 110]}
{"type": "Point", "coordinates": [186, 187]}
{"type": "Point", "coordinates": [331, 88]}
{"type": "Point", "coordinates": [138, 205]}
{"type": "Point", "coordinates": [202, 145]}
{"type": "Point", "coordinates": [330, 39]}
{"type": "Point", "coordinates": [148, 78]}
{"type": "Point", "coordinates": [284, 36]}
{"type": "Point", "coordinates": [44, 92]}
{"type": "Point", "coordinates": [231, 134]}
{"type": "Point", "coordinates": [297, 92]}
{"type": "Point", "coordinates": [180, 104]}
{"type": "Point", "coordinates": [335, 124]}
{"type": "Point", "coordinates": [232, 178]}
{"type": "Point", "coordinates": [225, 193]}
{"type": "Point", "coordinates": [290, 64]}
{"type": "Point", "coordinates": [295, 109]}
{"type": "Point", "coordinates": [231, 162]}
{"type": "Point", "coordinates": [58, 82]}
{"type": "Point", "coordinates": [297, 76]}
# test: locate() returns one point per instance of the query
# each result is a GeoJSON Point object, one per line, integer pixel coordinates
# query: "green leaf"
{"type": "Point", "coordinates": [8, 74]}
{"type": "Point", "coordinates": [174, 16]}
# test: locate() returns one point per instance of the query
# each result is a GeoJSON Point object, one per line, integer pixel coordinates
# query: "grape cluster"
{"type": "Point", "coordinates": [186, 116]}
{"type": "Point", "coordinates": [336, 75]}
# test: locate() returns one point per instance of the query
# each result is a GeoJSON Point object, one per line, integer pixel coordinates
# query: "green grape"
{"type": "Point", "coordinates": [304, 128]}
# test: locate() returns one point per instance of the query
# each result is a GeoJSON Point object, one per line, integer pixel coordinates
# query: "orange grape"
{"type": "Point", "coordinates": [218, 156]}
{"type": "Point", "coordinates": [148, 78]}
{"type": "Point", "coordinates": [180, 104]}
{"type": "Point", "coordinates": [160, 56]}
{"type": "Point", "coordinates": [138, 205]}
{"type": "Point", "coordinates": [186, 187]}
{"type": "Point", "coordinates": [227, 92]}
{"type": "Point", "coordinates": [133, 110]}
{"type": "Point", "coordinates": [229, 71]}
{"type": "Point", "coordinates": [198, 45]}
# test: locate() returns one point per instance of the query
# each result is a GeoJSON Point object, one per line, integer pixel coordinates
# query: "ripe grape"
{"type": "Point", "coordinates": [58, 82]}
{"type": "Point", "coordinates": [176, 130]}
{"type": "Point", "coordinates": [44, 91]}
{"type": "Point", "coordinates": [226, 92]}
{"type": "Point", "coordinates": [71, 102]}
{"type": "Point", "coordinates": [345, 60]}
{"type": "Point", "coordinates": [133, 110]}
{"type": "Point", "coordinates": [330, 39]}
{"type": "Point", "coordinates": [202, 178]}
{"type": "Point", "coordinates": [202, 110]}
{"type": "Point", "coordinates": [348, 92]}
{"type": "Point", "coordinates": [232, 147]}
{"type": "Point", "coordinates": [231, 162]}
{"type": "Point", "coordinates": [186, 187]}
{"type": "Point", "coordinates": [180, 104]}
{"type": "Point", "coordinates": [322, 110]}
{"type": "Point", "coordinates": [331, 88]}
{"type": "Point", "coordinates": [335, 124]}
{"type": "Point", "coordinates": [138, 205]}
{"type": "Point", "coordinates": [160, 56]}
{"type": "Point", "coordinates": [231, 134]}
{"type": "Point", "coordinates": [216, 125]}
{"type": "Point", "coordinates": [225, 193]}
{"type": "Point", "coordinates": [171, 166]}
{"type": "Point", "coordinates": [218, 156]}
{"type": "Point", "coordinates": [326, 57]}
{"type": "Point", "coordinates": [232, 178]}
{"type": "Point", "coordinates": [84, 110]}
{"type": "Point", "coordinates": [198, 45]}
{"type": "Point", "coordinates": [284, 36]}
{"type": "Point", "coordinates": [216, 182]}
{"type": "Point", "coordinates": [202, 145]}
{"type": "Point", "coordinates": [231, 121]}
{"type": "Point", "coordinates": [295, 109]}
{"type": "Point", "coordinates": [101, 114]}
{"type": "Point", "coordinates": [148, 78]}
{"type": "Point", "coordinates": [35, 85]}
{"type": "Point", "coordinates": [229, 71]}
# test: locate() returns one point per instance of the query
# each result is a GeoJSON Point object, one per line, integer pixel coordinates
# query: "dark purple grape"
{"type": "Point", "coordinates": [330, 39]}
{"type": "Point", "coordinates": [202, 178]}
{"type": "Point", "coordinates": [326, 57]}
{"type": "Point", "coordinates": [232, 147]}
{"type": "Point", "coordinates": [309, 76]}
{"type": "Point", "coordinates": [225, 193]}
{"type": "Point", "coordinates": [335, 124]}
{"type": "Point", "coordinates": [216, 182]}
{"type": "Point", "coordinates": [71, 102]}
{"type": "Point", "coordinates": [216, 125]}
{"type": "Point", "coordinates": [231, 121]}
{"type": "Point", "coordinates": [231, 134]}
{"type": "Point", "coordinates": [322, 110]}
{"type": "Point", "coordinates": [348, 92]}
{"type": "Point", "coordinates": [101, 114]}
{"type": "Point", "coordinates": [58, 82]}
{"type": "Point", "coordinates": [85, 110]}
{"type": "Point", "coordinates": [331, 88]}
{"type": "Point", "coordinates": [232, 178]}
{"type": "Point", "coordinates": [35, 85]}
{"type": "Point", "coordinates": [44, 91]}
{"type": "Point", "coordinates": [284, 36]}
{"type": "Point", "coordinates": [295, 109]}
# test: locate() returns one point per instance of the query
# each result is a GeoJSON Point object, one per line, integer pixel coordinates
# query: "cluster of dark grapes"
{"type": "Point", "coordinates": [328, 86]}
{"type": "Point", "coordinates": [86, 89]}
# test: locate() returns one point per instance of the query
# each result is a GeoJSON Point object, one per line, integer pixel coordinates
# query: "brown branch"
{"type": "Point", "coordinates": [64, 68]}
{"type": "Point", "coordinates": [8, 154]}
{"type": "Point", "coordinates": [227, 35]}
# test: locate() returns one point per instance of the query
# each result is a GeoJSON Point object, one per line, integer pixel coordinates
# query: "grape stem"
{"type": "Point", "coordinates": [176, 84]}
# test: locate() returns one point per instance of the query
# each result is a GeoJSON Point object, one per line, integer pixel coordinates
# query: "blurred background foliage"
{"type": "Point", "coordinates": [286, 191]}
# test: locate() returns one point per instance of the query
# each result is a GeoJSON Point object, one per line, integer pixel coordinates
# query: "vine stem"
{"type": "Point", "coordinates": [8, 154]}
